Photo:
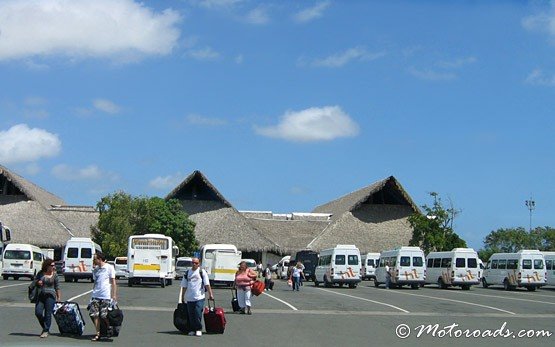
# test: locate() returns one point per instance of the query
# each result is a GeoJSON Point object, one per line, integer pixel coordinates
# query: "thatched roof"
{"type": "Point", "coordinates": [197, 187]}
{"type": "Point", "coordinates": [31, 223]}
{"type": "Point", "coordinates": [387, 191]}
{"type": "Point", "coordinates": [24, 187]}
{"type": "Point", "coordinates": [78, 219]}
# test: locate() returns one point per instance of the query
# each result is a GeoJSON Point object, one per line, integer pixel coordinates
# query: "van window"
{"type": "Point", "coordinates": [502, 264]}
{"type": "Point", "coordinates": [494, 264]}
{"type": "Point", "coordinates": [352, 259]}
{"type": "Point", "coordinates": [73, 252]}
{"type": "Point", "coordinates": [370, 262]}
{"type": "Point", "coordinates": [549, 264]}
{"type": "Point", "coordinates": [17, 254]}
{"type": "Point", "coordinates": [538, 264]}
{"type": "Point", "coordinates": [417, 261]}
{"type": "Point", "coordinates": [37, 256]}
{"type": "Point", "coordinates": [405, 261]}
{"type": "Point", "coordinates": [446, 262]}
{"type": "Point", "coordinates": [472, 263]}
{"type": "Point", "coordinates": [184, 263]}
{"type": "Point", "coordinates": [430, 263]}
{"type": "Point", "coordinates": [527, 264]}
{"type": "Point", "coordinates": [340, 259]}
{"type": "Point", "coordinates": [512, 264]}
{"type": "Point", "coordinates": [460, 262]}
{"type": "Point", "coordinates": [324, 260]}
{"type": "Point", "coordinates": [437, 262]}
{"type": "Point", "coordinates": [209, 254]}
{"type": "Point", "coordinates": [121, 261]}
{"type": "Point", "coordinates": [86, 253]}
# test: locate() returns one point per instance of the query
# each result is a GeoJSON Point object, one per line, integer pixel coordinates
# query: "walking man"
{"type": "Point", "coordinates": [104, 291]}
{"type": "Point", "coordinates": [196, 283]}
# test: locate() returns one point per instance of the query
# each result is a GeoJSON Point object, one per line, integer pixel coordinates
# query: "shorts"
{"type": "Point", "coordinates": [99, 307]}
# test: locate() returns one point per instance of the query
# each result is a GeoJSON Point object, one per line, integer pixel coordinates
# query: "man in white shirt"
{"type": "Point", "coordinates": [104, 291]}
{"type": "Point", "coordinates": [196, 283]}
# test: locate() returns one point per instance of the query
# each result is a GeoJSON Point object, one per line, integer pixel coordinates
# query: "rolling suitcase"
{"type": "Point", "coordinates": [181, 315]}
{"type": "Point", "coordinates": [115, 320]}
{"type": "Point", "coordinates": [214, 318]}
{"type": "Point", "coordinates": [234, 302]}
{"type": "Point", "coordinates": [69, 318]}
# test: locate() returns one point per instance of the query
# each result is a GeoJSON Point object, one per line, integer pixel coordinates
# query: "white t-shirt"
{"type": "Point", "coordinates": [297, 272]}
{"type": "Point", "coordinates": [102, 281]}
{"type": "Point", "coordinates": [193, 283]}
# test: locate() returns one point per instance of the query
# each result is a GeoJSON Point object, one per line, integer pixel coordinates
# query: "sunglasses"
{"type": "Point", "coordinates": [195, 263]}
{"type": "Point", "coordinates": [52, 265]}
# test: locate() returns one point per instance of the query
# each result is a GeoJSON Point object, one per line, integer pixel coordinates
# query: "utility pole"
{"type": "Point", "coordinates": [531, 205]}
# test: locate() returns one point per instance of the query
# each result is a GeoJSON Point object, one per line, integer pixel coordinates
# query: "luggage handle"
{"type": "Point", "coordinates": [213, 307]}
{"type": "Point", "coordinates": [234, 293]}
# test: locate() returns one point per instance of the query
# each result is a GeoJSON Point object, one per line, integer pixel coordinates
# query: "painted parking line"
{"type": "Point", "coordinates": [80, 295]}
{"type": "Point", "coordinates": [283, 302]}
{"type": "Point", "coordinates": [364, 299]}
{"type": "Point", "coordinates": [14, 285]}
{"type": "Point", "coordinates": [445, 299]}
{"type": "Point", "coordinates": [510, 298]}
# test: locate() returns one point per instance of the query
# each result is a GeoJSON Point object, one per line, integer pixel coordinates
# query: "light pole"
{"type": "Point", "coordinates": [531, 205]}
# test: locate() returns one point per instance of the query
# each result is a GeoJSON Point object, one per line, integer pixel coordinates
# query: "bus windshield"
{"type": "Point", "coordinates": [149, 243]}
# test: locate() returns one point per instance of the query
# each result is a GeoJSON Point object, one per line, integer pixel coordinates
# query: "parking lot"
{"type": "Point", "coordinates": [315, 316]}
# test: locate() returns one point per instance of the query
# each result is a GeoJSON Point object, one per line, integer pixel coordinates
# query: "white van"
{"type": "Point", "coordinates": [221, 262]}
{"type": "Point", "coordinates": [340, 265]}
{"type": "Point", "coordinates": [550, 267]}
{"type": "Point", "coordinates": [458, 267]}
{"type": "Point", "coordinates": [182, 265]}
{"type": "Point", "coordinates": [120, 265]}
{"type": "Point", "coordinates": [406, 267]}
{"type": "Point", "coordinates": [78, 258]}
{"type": "Point", "coordinates": [151, 258]}
{"type": "Point", "coordinates": [21, 260]}
{"type": "Point", "coordinates": [523, 269]}
{"type": "Point", "coordinates": [369, 265]}
{"type": "Point", "coordinates": [283, 266]}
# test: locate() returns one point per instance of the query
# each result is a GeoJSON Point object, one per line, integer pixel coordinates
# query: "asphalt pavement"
{"type": "Point", "coordinates": [314, 316]}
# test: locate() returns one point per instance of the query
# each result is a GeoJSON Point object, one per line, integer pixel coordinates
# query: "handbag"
{"type": "Point", "coordinates": [33, 292]}
{"type": "Point", "coordinates": [257, 287]}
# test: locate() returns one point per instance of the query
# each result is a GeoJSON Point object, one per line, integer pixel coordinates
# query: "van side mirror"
{"type": "Point", "coordinates": [8, 234]}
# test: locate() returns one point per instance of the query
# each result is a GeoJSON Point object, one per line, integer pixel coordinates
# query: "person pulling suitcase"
{"type": "Point", "coordinates": [104, 292]}
{"type": "Point", "coordinates": [196, 283]}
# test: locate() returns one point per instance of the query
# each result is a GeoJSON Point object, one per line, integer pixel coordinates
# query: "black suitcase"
{"type": "Point", "coordinates": [115, 320]}
{"type": "Point", "coordinates": [69, 318]}
{"type": "Point", "coordinates": [234, 302]}
{"type": "Point", "coordinates": [181, 318]}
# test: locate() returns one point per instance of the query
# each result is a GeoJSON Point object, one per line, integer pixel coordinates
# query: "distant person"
{"type": "Point", "coordinates": [387, 276]}
{"type": "Point", "coordinates": [296, 275]}
{"type": "Point", "coordinates": [268, 278]}
{"type": "Point", "coordinates": [197, 283]}
{"type": "Point", "coordinates": [243, 279]}
{"type": "Point", "coordinates": [49, 293]}
{"type": "Point", "coordinates": [104, 292]}
{"type": "Point", "coordinates": [259, 269]}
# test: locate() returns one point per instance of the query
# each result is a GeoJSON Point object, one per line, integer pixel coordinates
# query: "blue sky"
{"type": "Point", "coordinates": [285, 105]}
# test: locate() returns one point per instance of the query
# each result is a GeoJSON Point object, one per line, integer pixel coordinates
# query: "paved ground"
{"type": "Point", "coordinates": [315, 316]}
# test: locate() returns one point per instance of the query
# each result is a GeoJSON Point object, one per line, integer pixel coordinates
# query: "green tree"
{"type": "Point", "coordinates": [433, 230]}
{"type": "Point", "coordinates": [122, 215]}
{"type": "Point", "coordinates": [512, 240]}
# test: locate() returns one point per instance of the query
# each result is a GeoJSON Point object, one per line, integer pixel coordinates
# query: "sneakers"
{"type": "Point", "coordinates": [191, 333]}
{"type": "Point", "coordinates": [44, 334]}
{"type": "Point", "coordinates": [198, 333]}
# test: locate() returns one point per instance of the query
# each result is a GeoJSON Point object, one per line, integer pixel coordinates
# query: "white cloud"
{"type": "Point", "coordinates": [538, 78]}
{"type": "Point", "coordinates": [311, 13]}
{"type": "Point", "coordinates": [311, 125]}
{"type": "Point", "coordinates": [457, 63]}
{"type": "Point", "coordinates": [167, 182]}
{"type": "Point", "coordinates": [115, 29]}
{"type": "Point", "coordinates": [352, 54]}
{"type": "Point", "coordinates": [431, 75]}
{"type": "Point", "coordinates": [23, 144]}
{"type": "Point", "coordinates": [204, 54]}
{"type": "Point", "coordinates": [90, 173]}
{"type": "Point", "coordinates": [196, 119]}
{"type": "Point", "coordinates": [258, 16]}
{"type": "Point", "coordinates": [239, 59]}
{"type": "Point", "coordinates": [217, 3]}
{"type": "Point", "coordinates": [106, 106]}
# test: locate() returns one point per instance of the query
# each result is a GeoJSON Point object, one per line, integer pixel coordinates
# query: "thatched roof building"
{"type": "Point", "coordinates": [39, 217]}
{"type": "Point", "coordinates": [217, 221]}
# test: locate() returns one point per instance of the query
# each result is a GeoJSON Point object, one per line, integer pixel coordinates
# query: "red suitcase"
{"type": "Point", "coordinates": [214, 318]}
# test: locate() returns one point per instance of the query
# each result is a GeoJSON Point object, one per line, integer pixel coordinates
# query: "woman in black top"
{"type": "Point", "coordinates": [47, 281]}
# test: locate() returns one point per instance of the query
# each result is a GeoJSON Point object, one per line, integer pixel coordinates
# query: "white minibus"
{"type": "Point", "coordinates": [283, 266]}
{"type": "Point", "coordinates": [220, 261]}
{"type": "Point", "coordinates": [458, 267]}
{"type": "Point", "coordinates": [406, 267]}
{"type": "Point", "coordinates": [550, 267]}
{"type": "Point", "coordinates": [21, 260]}
{"type": "Point", "coordinates": [340, 265]}
{"type": "Point", "coordinates": [369, 264]}
{"type": "Point", "coordinates": [511, 270]}
{"type": "Point", "coordinates": [151, 258]}
{"type": "Point", "coordinates": [78, 258]}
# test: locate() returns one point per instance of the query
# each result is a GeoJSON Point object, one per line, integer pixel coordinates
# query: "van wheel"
{"type": "Point", "coordinates": [327, 283]}
{"type": "Point", "coordinates": [16, 278]}
{"type": "Point", "coordinates": [506, 284]}
{"type": "Point", "coordinates": [67, 279]}
{"type": "Point", "coordinates": [75, 279]}
{"type": "Point", "coordinates": [352, 286]}
{"type": "Point", "coordinates": [484, 283]}
{"type": "Point", "coordinates": [129, 282]}
{"type": "Point", "coordinates": [163, 282]}
{"type": "Point", "coordinates": [316, 283]}
{"type": "Point", "coordinates": [415, 286]}
{"type": "Point", "coordinates": [376, 284]}
{"type": "Point", "coordinates": [465, 287]}
{"type": "Point", "coordinates": [531, 289]}
{"type": "Point", "coordinates": [170, 282]}
{"type": "Point", "coordinates": [5, 277]}
{"type": "Point", "coordinates": [441, 284]}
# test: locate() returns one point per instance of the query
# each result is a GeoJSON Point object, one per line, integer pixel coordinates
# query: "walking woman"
{"type": "Point", "coordinates": [47, 281]}
{"type": "Point", "coordinates": [243, 279]}
{"type": "Point", "coordinates": [296, 274]}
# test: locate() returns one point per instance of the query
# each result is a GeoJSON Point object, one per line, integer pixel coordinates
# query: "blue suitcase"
{"type": "Point", "coordinates": [69, 319]}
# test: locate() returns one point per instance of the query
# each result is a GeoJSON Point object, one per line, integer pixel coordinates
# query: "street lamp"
{"type": "Point", "coordinates": [531, 205]}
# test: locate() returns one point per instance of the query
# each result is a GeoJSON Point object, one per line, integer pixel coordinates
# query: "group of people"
{"type": "Point", "coordinates": [104, 293]}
